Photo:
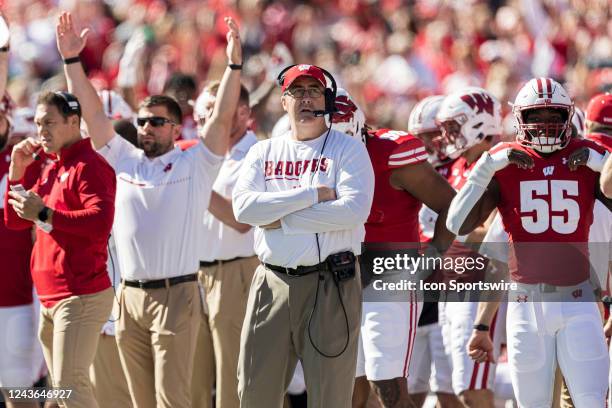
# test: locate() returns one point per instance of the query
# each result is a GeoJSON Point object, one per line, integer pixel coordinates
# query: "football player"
{"type": "Point", "coordinates": [470, 120]}
{"type": "Point", "coordinates": [544, 185]}
{"type": "Point", "coordinates": [404, 180]}
{"type": "Point", "coordinates": [430, 366]}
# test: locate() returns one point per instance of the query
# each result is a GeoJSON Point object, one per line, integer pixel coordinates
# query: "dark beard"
{"type": "Point", "coordinates": [154, 149]}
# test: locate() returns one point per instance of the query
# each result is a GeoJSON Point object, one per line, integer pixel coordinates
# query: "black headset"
{"type": "Point", "coordinates": [71, 105]}
{"type": "Point", "coordinates": [330, 94]}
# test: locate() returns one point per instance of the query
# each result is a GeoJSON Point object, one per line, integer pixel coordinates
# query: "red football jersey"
{"type": "Point", "coordinates": [600, 138]}
{"type": "Point", "coordinates": [547, 212]}
{"type": "Point", "coordinates": [15, 250]}
{"type": "Point", "coordinates": [459, 171]}
{"type": "Point", "coordinates": [445, 169]}
{"type": "Point", "coordinates": [394, 216]}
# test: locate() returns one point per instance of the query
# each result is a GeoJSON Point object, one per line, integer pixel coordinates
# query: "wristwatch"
{"type": "Point", "coordinates": [43, 215]}
{"type": "Point", "coordinates": [481, 327]}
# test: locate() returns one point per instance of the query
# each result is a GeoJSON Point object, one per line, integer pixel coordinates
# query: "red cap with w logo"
{"type": "Point", "coordinates": [297, 71]}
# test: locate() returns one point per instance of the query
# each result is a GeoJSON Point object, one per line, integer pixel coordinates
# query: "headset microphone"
{"type": "Point", "coordinates": [319, 113]}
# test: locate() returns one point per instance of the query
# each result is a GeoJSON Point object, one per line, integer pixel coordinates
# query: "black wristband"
{"type": "Point", "coordinates": [235, 66]}
{"type": "Point", "coordinates": [481, 327]}
{"type": "Point", "coordinates": [72, 60]}
{"type": "Point", "coordinates": [43, 215]}
{"type": "Point", "coordinates": [6, 48]}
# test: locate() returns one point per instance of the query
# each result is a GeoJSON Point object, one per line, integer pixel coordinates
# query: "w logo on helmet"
{"type": "Point", "coordinates": [346, 108]}
{"type": "Point", "coordinates": [479, 102]}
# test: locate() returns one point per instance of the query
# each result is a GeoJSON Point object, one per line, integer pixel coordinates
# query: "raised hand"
{"type": "Point", "coordinates": [69, 42]}
{"type": "Point", "coordinates": [234, 48]}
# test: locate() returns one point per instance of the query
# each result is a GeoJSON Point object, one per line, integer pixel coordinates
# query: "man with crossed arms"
{"type": "Point", "coordinates": [162, 192]}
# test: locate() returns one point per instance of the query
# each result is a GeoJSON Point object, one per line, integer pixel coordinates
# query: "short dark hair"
{"type": "Point", "coordinates": [174, 110]}
{"type": "Point", "coordinates": [213, 87]}
{"type": "Point", "coordinates": [63, 101]}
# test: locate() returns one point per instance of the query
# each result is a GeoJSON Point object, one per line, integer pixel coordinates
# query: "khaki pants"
{"type": "Point", "coordinates": [227, 290]}
{"type": "Point", "coordinates": [69, 333]}
{"type": "Point", "coordinates": [107, 378]}
{"type": "Point", "coordinates": [203, 378]}
{"type": "Point", "coordinates": [156, 334]}
{"type": "Point", "coordinates": [276, 333]}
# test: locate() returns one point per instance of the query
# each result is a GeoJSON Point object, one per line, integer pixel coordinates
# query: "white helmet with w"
{"type": "Point", "coordinates": [545, 137]}
{"type": "Point", "coordinates": [467, 117]}
{"type": "Point", "coordinates": [349, 118]}
{"type": "Point", "coordinates": [422, 124]}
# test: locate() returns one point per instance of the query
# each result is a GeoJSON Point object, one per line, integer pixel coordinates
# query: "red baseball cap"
{"type": "Point", "coordinates": [297, 71]}
{"type": "Point", "coordinates": [600, 109]}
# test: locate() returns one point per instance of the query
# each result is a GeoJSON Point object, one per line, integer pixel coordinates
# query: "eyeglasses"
{"type": "Point", "coordinates": [155, 121]}
{"type": "Point", "coordinates": [301, 92]}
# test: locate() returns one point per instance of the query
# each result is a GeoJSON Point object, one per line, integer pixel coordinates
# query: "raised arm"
{"type": "Point", "coordinates": [216, 132]}
{"type": "Point", "coordinates": [70, 44]}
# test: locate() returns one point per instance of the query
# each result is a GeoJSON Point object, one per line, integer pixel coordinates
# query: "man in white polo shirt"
{"type": "Point", "coordinates": [228, 260]}
{"type": "Point", "coordinates": [162, 195]}
{"type": "Point", "coordinates": [309, 194]}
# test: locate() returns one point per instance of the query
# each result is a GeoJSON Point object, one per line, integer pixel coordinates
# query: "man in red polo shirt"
{"type": "Point", "coordinates": [72, 205]}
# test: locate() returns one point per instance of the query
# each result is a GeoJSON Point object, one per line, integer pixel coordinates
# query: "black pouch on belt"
{"type": "Point", "coordinates": [342, 265]}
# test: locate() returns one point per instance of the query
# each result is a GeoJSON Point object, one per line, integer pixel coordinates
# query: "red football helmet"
{"type": "Point", "coordinates": [545, 137]}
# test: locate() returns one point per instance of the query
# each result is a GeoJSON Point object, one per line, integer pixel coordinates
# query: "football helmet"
{"type": "Point", "coordinates": [544, 137]}
{"type": "Point", "coordinates": [578, 122]}
{"type": "Point", "coordinates": [466, 117]}
{"type": "Point", "coordinates": [422, 124]}
{"type": "Point", "coordinates": [349, 118]}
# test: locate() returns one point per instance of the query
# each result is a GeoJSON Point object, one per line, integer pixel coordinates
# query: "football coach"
{"type": "Point", "coordinates": [309, 193]}
{"type": "Point", "coordinates": [72, 203]}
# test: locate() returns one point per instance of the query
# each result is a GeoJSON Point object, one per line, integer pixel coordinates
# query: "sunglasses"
{"type": "Point", "coordinates": [155, 121]}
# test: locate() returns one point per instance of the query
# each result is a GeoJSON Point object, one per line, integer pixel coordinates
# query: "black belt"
{"type": "Point", "coordinates": [160, 283]}
{"type": "Point", "coordinates": [206, 264]}
{"type": "Point", "coordinates": [299, 271]}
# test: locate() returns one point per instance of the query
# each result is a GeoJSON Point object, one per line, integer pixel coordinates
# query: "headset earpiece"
{"type": "Point", "coordinates": [72, 105]}
{"type": "Point", "coordinates": [330, 94]}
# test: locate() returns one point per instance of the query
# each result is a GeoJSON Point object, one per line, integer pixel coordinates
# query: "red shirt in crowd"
{"type": "Point", "coordinates": [71, 259]}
